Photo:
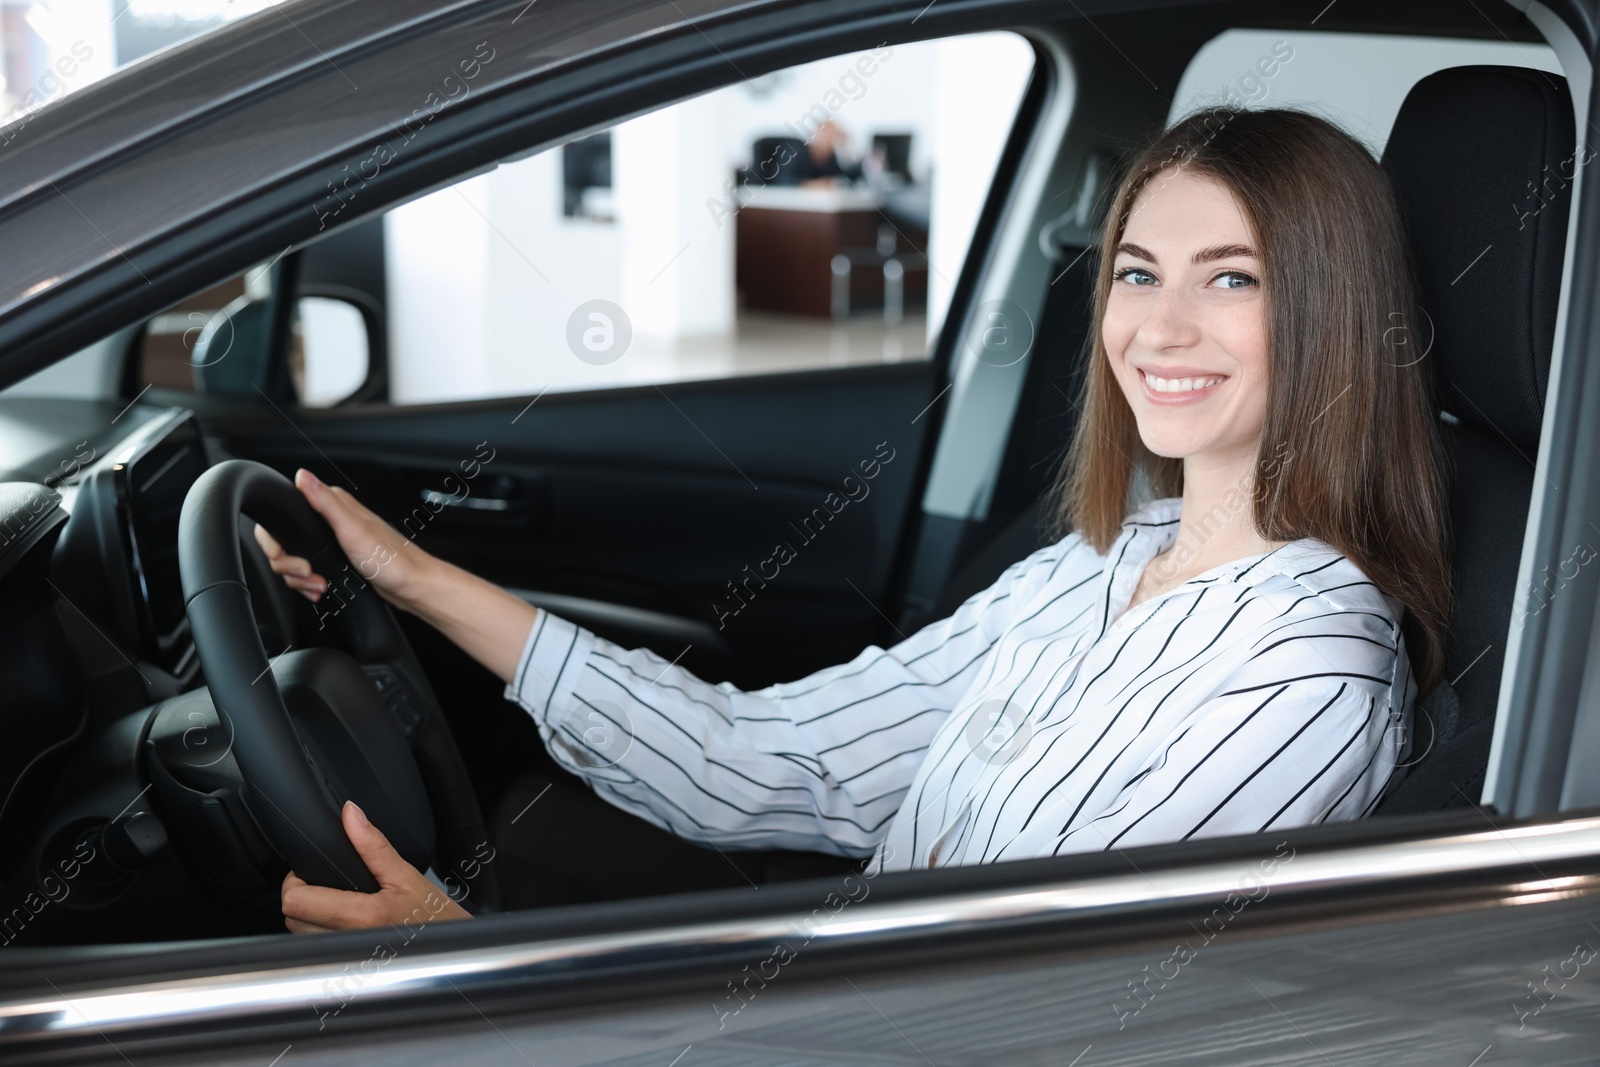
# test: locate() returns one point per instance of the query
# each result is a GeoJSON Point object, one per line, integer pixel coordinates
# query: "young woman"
{"type": "Point", "coordinates": [1240, 653]}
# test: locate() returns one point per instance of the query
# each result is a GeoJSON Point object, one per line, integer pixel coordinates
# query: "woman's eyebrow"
{"type": "Point", "coordinates": [1205, 255]}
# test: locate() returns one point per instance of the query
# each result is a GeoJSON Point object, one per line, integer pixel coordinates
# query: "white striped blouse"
{"type": "Point", "coordinates": [1042, 717]}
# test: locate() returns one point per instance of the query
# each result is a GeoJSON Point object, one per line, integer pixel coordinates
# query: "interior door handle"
{"type": "Point", "coordinates": [496, 499]}
{"type": "Point", "coordinates": [471, 503]}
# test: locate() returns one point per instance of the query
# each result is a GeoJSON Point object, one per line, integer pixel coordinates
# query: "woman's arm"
{"type": "Point", "coordinates": [1310, 728]}
{"type": "Point", "coordinates": [820, 764]}
{"type": "Point", "coordinates": [488, 623]}
{"type": "Point", "coordinates": [1292, 754]}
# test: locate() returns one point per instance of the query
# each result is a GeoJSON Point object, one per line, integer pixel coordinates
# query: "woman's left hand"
{"type": "Point", "coordinates": [404, 893]}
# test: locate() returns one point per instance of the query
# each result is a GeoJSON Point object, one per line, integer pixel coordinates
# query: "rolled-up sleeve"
{"type": "Point", "coordinates": [819, 764]}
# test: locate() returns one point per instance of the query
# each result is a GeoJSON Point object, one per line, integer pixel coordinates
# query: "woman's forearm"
{"type": "Point", "coordinates": [488, 623]}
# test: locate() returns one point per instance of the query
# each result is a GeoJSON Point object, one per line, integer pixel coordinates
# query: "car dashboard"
{"type": "Point", "coordinates": [93, 633]}
{"type": "Point", "coordinates": [118, 553]}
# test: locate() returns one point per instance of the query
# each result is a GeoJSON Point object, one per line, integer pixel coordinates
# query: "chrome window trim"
{"type": "Point", "coordinates": [1516, 864]}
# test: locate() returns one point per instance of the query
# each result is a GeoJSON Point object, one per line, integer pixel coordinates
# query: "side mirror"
{"type": "Point", "coordinates": [335, 350]}
{"type": "Point", "coordinates": [229, 357]}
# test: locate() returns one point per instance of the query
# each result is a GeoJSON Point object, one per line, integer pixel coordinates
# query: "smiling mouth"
{"type": "Point", "coordinates": [1179, 390]}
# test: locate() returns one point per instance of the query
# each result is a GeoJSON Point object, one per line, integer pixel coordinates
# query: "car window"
{"type": "Point", "coordinates": [1355, 80]}
{"type": "Point", "coordinates": [809, 218]}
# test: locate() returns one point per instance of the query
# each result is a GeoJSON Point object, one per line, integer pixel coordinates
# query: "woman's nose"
{"type": "Point", "coordinates": [1171, 321]}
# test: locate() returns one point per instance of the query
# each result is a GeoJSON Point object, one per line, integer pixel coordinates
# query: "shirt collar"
{"type": "Point", "coordinates": [1152, 528]}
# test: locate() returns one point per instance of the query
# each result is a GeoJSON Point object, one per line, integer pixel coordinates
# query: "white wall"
{"type": "Point", "coordinates": [541, 266]}
{"type": "Point", "coordinates": [676, 264]}
{"type": "Point", "coordinates": [437, 259]}
{"type": "Point", "coordinates": [1355, 81]}
{"type": "Point", "coordinates": [92, 373]}
{"type": "Point", "coordinates": [978, 83]}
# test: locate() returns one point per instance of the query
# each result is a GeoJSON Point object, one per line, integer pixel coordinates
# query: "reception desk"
{"type": "Point", "coordinates": [827, 252]}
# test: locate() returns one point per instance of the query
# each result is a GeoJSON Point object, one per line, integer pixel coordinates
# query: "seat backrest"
{"type": "Point", "coordinates": [1482, 158]}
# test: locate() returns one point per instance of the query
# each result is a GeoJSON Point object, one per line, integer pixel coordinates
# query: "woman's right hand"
{"type": "Point", "coordinates": [392, 564]}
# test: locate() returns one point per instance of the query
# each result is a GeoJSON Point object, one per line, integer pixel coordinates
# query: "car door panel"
{"type": "Point", "coordinates": [767, 510]}
{"type": "Point", "coordinates": [1432, 939]}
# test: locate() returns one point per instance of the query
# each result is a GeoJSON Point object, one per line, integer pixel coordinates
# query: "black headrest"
{"type": "Point", "coordinates": [1483, 161]}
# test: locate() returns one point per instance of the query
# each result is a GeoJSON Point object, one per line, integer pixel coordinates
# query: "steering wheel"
{"type": "Point", "coordinates": [320, 726]}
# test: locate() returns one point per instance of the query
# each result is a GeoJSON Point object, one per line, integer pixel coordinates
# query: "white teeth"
{"type": "Point", "coordinates": [1178, 385]}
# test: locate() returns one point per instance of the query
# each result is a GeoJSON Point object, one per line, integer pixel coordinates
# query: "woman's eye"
{"type": "Point", "coordinates": [1137, 275]}
{"type": "Point", "coordinates": [1244, 280]}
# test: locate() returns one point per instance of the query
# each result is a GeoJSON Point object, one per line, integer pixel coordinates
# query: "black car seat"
{"type": "Point", "coordinates": [1482, 158]}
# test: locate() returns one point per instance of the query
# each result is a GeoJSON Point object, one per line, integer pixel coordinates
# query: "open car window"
{"type": "Point", "coordinates": [815, 217]}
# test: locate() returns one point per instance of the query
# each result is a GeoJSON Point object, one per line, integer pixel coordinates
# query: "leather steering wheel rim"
{"type": "Point", "coordinates": [283, 789]}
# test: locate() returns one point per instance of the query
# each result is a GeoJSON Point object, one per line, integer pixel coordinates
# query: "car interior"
{"type": "Point", "coordinates": [606, 507]}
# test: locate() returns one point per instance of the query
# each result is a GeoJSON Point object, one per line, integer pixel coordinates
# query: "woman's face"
{"type": "Point", "coordinates": [1185, 327]}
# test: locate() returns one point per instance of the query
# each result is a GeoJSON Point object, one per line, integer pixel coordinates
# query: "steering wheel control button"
{"type": "Point", "coordinates": [395, 696]}
{"type": "Point", "coordinates": [382, 677]}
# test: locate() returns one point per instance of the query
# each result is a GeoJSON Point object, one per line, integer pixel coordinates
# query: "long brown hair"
{"type": "Point", "coordinates": [1350, 451]}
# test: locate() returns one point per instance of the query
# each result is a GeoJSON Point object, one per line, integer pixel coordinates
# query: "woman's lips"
{"type": "Point", "coordinates": [1190, 389]}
